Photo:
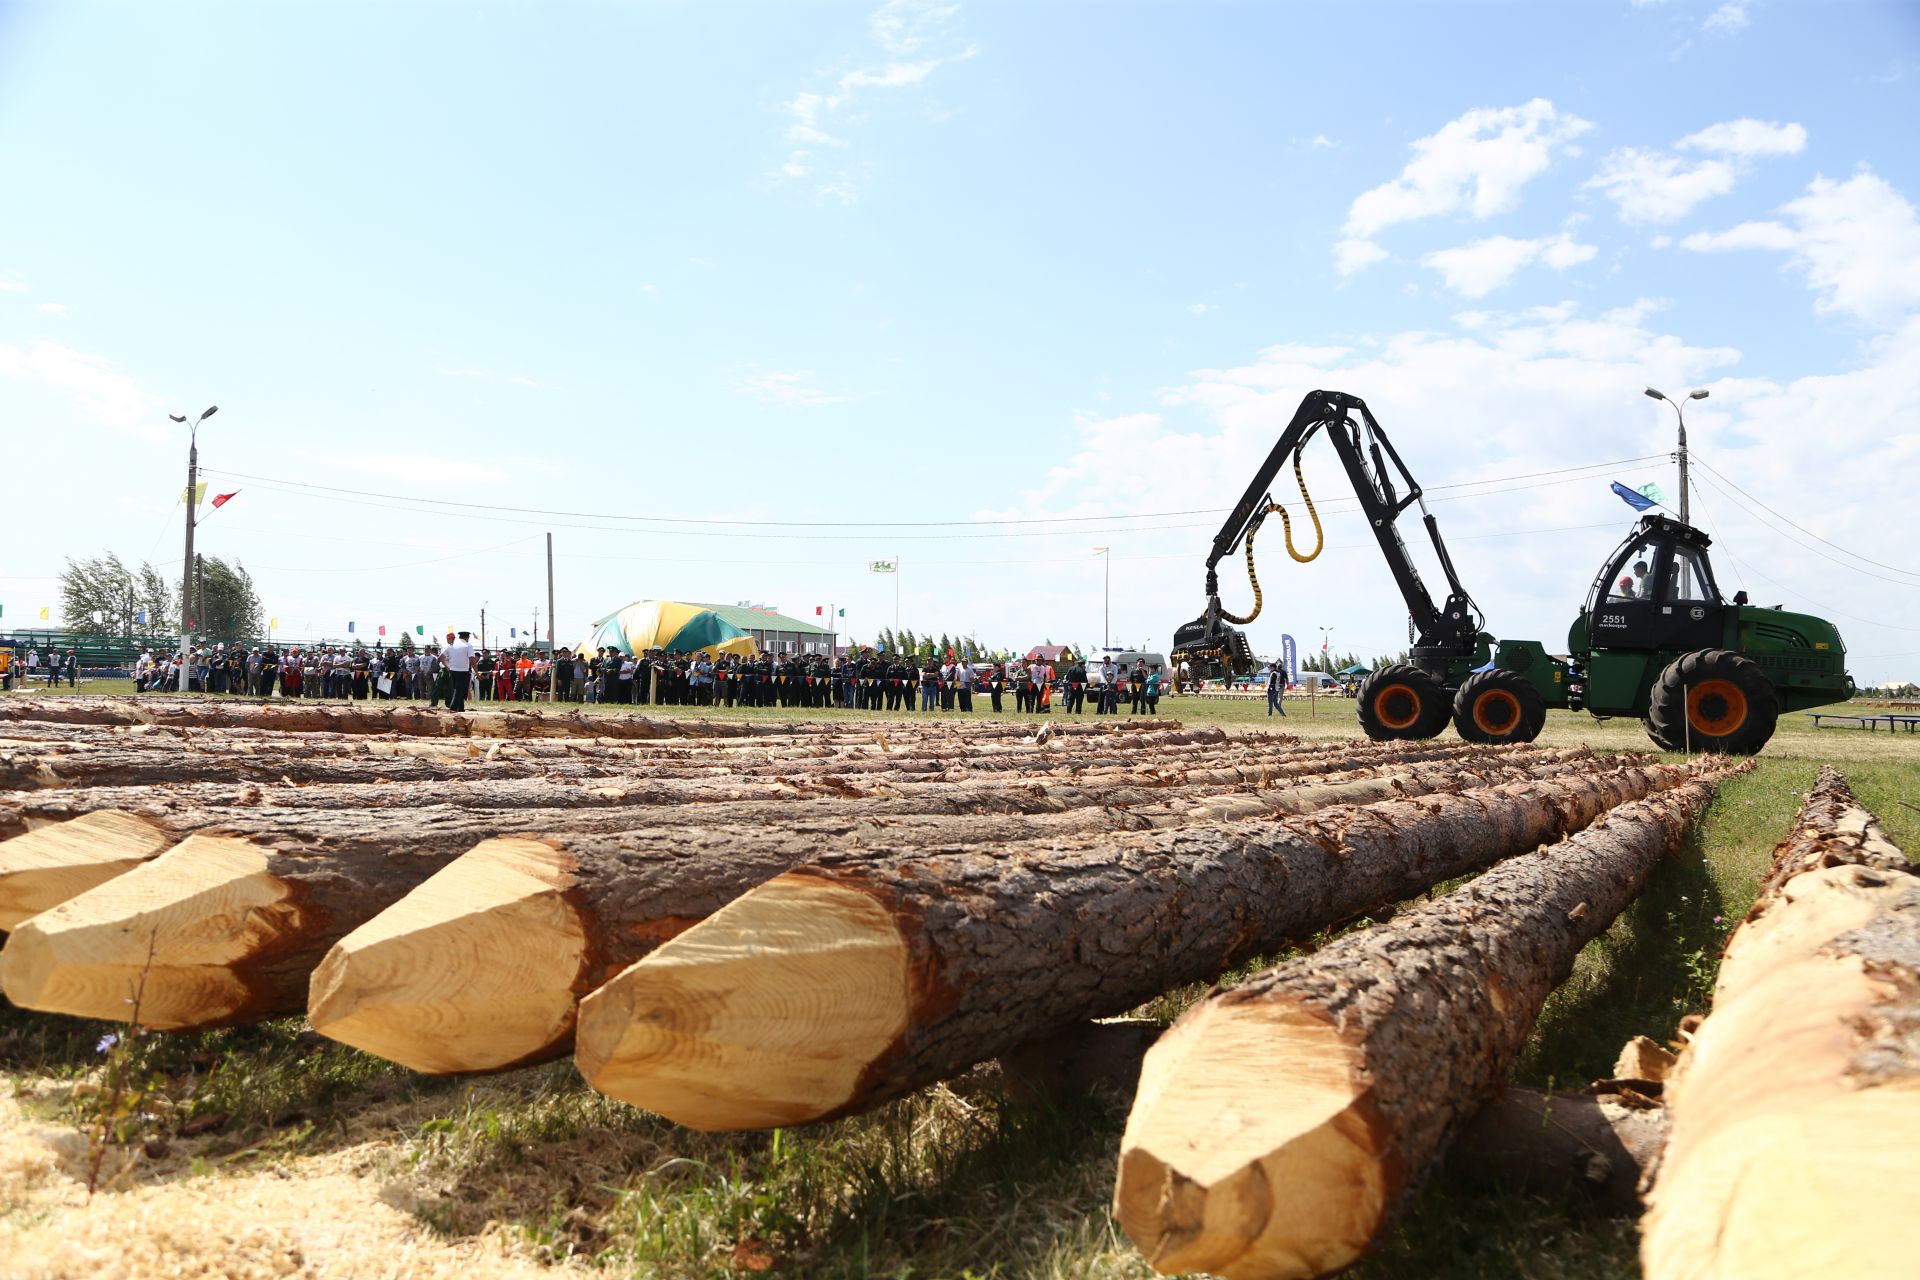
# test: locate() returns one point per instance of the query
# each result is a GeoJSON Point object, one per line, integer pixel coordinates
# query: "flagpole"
{"type": "Point", "coordinates": [896, 593]}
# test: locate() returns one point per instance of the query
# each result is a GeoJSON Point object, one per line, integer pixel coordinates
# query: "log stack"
{"type": "Point", "coordinates": [1794, 1111]}
{"type": "Point", "coordinates": [838, 985]}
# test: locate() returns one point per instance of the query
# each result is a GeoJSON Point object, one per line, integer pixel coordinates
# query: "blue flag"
{"type": "Point", "coordinates": [349, 628]}
{"type": "Point", "coordinates": [141, 618]}
{"type": "Point", "coordinates": [1638, 501]}
{"type": "Point", "coordinates": [1290, 659]}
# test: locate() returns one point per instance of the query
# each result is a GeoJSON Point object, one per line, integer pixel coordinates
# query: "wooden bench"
{"type": "Point", "coordinates": [1894, 722]}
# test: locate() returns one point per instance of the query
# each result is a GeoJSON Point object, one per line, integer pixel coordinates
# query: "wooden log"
{"type": "Point", "coordinates": [297, 758]}
{"type": "Point", "coordinates": [483, 721]}
{"type": "Point", "coordinates": [847, 982]}
{"type": "Point", "coordinates": [483, 965]}
{"type": "Point", "coordinates": [1794, 1141]}
{"type": "Point", "coordinates": [1589, 1149]}
{"type": "Point", "coordinates": [45, 867]}
{"type": "Point", "coordinates": [334, 863]}
{"type": "Point", "coordinates": [1280, 1126]}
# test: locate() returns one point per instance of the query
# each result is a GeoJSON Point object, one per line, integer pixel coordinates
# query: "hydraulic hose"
{"type": "Point", "coordinates": [1286, 526]}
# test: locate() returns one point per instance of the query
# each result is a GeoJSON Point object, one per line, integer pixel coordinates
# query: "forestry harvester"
{"type": "Point", "coordinates": [1655, 639]}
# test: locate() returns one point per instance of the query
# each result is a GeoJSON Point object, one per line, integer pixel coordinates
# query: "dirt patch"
{"type": "Point", "coordinates": [331, 1217]}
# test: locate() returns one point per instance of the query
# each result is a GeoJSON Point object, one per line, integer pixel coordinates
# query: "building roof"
{"type": "Point", "coordinates": [1046, 652]}
{"type": "Point", "coordinates": [764, 620]}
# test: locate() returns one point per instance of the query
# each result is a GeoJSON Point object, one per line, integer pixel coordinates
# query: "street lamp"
{"type": "Point", "coordinates": [1681, 455]}
{"type": "Point", "coordinates": [1326, 652]}
{"type": "Point", "coordinates": [186, 566]}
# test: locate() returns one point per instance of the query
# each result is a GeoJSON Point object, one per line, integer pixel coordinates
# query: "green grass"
{"type": "Point", "coordinates": [960, 1180]}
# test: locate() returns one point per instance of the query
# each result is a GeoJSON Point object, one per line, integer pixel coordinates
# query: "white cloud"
{"type": "Point", "coordinates": [787, 390]}
{"type": "Point", "coordinates": [1477, 269]}
{"type": "Point", "coordinates": [1650, 186]}
{"type": "Point", "coordinates": [1857, 243]}
{"type": "Point", "coordinates": [1727, 19]}
{"type": "Point", "coordinates": [1658, 186]}
{"type": "Point", "coordinates": [1354, 255]}
{"type": "Point", "coordinates": [821, 118]}
{"type": "Point", "coordinates": [52, 309]}
{"type": "Point", "coordinates": [1747, 137]}
{"type": "Point", "coordinates": [102, 394]}
{"type": "Point", "coordinates": [9, 285]}
{"type": "Point", "coordinates": [904, 26]}
{"type": "Point", "coordinates": [1477, 163]}
{"type": "Point", "coordinates": [1201, 308]}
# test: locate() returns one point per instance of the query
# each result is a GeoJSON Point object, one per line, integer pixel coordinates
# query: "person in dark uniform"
{"type": "Point", "coordinates": [1077, 687]}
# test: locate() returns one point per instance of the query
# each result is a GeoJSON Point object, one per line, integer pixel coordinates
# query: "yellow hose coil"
{"type": "Point", "coordinates": [1286, 525]}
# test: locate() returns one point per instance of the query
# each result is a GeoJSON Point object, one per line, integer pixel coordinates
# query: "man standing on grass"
{"type": "Point", "coordinates": [1276, 688]}
{"type": "Point", "coordinates": [458, 659]}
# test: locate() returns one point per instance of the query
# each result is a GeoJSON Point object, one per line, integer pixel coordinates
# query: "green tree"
{"type": "Point", "coordinates": [102, 597]}
{"type": "Point", "coordinates": [406, 640]}
{"type": "Point", "coordinates": [228, 606]}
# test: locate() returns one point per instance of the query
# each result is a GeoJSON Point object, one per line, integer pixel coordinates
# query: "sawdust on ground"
{"type": "Point", "coordinates": [329, 1217]}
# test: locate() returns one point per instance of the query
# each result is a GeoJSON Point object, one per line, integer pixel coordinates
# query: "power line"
{"type": "Point", "coordinates": [310, 489]}
{"type": "Point", "coordinates": [1817, 551]}
{"type": "Point", "coordinates": [1802, 528]}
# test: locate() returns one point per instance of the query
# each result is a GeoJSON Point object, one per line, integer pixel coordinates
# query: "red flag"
{"type": "Point", "coordinates": [818, 610]}
{"type": "Point", "coordinates": [220, 498]}
{"type": "Point", "coordinates": [383, 631]}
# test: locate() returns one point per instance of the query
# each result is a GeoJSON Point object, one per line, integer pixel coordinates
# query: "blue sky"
{"type": "Point", "coordinates": [911, 262]}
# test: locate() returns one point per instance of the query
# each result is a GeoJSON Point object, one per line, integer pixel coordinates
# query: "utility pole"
{"type": "Point", "coordinates": [483, 626]}
{"type": "Point", "coordinates": [896, 594]}
{"type": "Point", "coordinates": [186, 561]}
{"type": "Point", "coordinates": [1680, 455]}
{"type": "Point", "coordinates": [553, 668]}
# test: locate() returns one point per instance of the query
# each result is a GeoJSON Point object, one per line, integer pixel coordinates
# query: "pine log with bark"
{"type": "Point", "coordinates": [845, 983]}
{"type": "Point", "coordinates": [482, 966]}
{"type": "Point", "coordinates": [1282, 1125]}
{"type": "Point", "coordinates": [1794, 1112]}
{"type": "Point", "coordinates": [306, 875]}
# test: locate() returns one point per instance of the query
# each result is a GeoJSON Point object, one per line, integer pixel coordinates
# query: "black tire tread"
{"type": "Point", "coordinates": [1533, 708]}
{"type": "Point", "coordinates": [1435, 709]}
{"type": "Point", "coordinates": [1666, 718]}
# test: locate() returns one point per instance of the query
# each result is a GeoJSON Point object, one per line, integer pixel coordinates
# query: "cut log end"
{"type": "Point", "coordinates": [45, 867]}
{"type": "Point", "coordinates": [475, 970]}
{"type": "Point", "coordinates": [681, 1035]}
{"type": "Point", "coordinates": [204, 905]}
{"type": "Point", "coordinates": [1314, 1196]}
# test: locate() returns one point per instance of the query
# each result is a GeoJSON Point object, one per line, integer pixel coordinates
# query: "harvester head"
{"type": "Point", "coordinates": [1213, 649]}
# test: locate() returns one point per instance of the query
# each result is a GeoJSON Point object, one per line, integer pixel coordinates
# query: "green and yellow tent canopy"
{"type": "Point", "coordinates": [671, 625]}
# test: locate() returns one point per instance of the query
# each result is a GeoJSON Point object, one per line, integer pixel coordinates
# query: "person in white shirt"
{"type": "Point", "coordinates": [458, 660]}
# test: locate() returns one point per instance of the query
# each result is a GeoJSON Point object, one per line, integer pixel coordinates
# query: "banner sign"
{"type": "Point", "coordinates": [1290, 659]}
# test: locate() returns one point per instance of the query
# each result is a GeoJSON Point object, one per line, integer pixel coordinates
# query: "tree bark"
{"type": "Point", "coordinates": [1282, 1125]}
{"type": "Point", "coordinates": [847, 982]}
{"type": "Point", "coordinates": [482, 966]}
{"type": "Point", "coordinates": [1794, 1146]}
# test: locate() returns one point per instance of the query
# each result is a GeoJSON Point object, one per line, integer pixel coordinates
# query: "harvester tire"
{"type": "Point", "coordinates": [1402, 701]}
{"type": "Point", "coordinates": [1712, 700]}
{"type": "Point", "coordinates": [1498, 706]}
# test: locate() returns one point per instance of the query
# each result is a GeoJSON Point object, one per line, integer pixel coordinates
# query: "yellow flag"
{"type": "Point", "coordinates": [199, 493]}
{"type": "Point", "coordinates": [273, 624]}
{"type": "Point", "coordinates": [43, 613]}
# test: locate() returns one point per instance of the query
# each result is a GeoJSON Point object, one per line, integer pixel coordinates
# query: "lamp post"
{"type": "Point", "coordinates": [187, 564]}
{"type": "Point", "coordinates": [1681, 454]}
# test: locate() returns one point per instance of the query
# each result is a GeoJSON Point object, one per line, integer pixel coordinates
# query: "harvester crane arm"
{"type": "Point", "coordinates": [1366, 453]}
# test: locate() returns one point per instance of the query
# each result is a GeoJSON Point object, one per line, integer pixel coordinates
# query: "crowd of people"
{"type": "Point", "coordinates": [51, 667]}
{"type": "Point", "coordinates": [866, 680]}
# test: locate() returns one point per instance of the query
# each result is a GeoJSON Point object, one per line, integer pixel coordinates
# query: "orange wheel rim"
{"type": "Point", "coordinates": [1398, 706]}
{"type": "Point", "coordinates": [1716, 707]}
{"type": "Point", "coordinates": [1496, 711]}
